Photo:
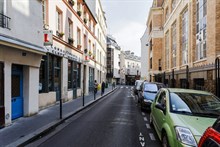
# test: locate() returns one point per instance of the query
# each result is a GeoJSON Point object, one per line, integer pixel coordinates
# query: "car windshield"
{"type": "Point", "coordinates": [150, 87]}
{"type": "Point", "coordinates": [138, 84]}
{"type": "Point", "coordinates": [195, 104]}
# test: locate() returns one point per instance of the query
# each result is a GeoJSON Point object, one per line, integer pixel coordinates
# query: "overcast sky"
{"type": "Point", "coordinates": [126, 20]}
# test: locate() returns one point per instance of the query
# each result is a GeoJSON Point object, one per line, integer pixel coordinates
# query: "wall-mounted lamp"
{"type": "Point", "coordinates": [24, 54]}
{"type": "Point", "coordinates": [149, 44]}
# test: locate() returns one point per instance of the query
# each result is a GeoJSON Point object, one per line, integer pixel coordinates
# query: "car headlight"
{"type": "Point", "coordinates": [185, 136]}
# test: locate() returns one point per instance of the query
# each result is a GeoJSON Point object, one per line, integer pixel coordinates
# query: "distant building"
{"type": "Point", "coordinates": [113, 60]}
{"type": "Point", "coordinates": [132, 67]}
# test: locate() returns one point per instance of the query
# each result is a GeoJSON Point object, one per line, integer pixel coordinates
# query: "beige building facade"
{"type": "Point", "coordinates": [189, 44]}
{"type": "Point", "coordinates": [76, 57]}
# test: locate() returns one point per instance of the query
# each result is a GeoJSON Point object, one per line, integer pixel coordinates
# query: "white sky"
{"type": "Point", "coordinates": [126, 21]}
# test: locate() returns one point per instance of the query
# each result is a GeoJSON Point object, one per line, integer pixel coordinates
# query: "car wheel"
{"type": "Point", "coordinates": [165, 142]}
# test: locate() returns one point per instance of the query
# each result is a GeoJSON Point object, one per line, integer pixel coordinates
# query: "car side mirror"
{"type": "Point", "coordinates": [160, 107]}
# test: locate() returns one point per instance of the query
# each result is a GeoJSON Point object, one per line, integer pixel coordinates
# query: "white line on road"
{"type": "Point", "coordinates": [122, 87]}
{"type": "Point", "coordinates": [143, 113]}
{"type": "Point", "coordinates": [145, 118]}
{"type": "Point", "coordinates": [148, 126]}
{"type": "Point", "coordinates": [152, 136]}
{"type": "Point", "coordinates": [127, 87]}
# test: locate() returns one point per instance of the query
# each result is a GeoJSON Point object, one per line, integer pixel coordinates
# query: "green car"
{"type": "Point", "coordinates": [181, 116]}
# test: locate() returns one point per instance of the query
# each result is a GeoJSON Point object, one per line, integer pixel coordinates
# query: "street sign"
{"type": "Point", "coordinates": [48, 37]}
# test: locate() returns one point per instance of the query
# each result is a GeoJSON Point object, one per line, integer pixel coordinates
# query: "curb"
{"type": "Point", "coordinates": [49, 127]}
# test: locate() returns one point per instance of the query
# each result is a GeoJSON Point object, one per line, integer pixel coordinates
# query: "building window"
{"type": "Point", "coordinates": [199, 84]}
{"type": "Point", "coordinates": [183, 83]}
{"type": "Point", "coordinates": [1, 84]}
{"type": "Point", "coordinates": [70, 29]}
{"type": "Point", "coordinates": [151, 64]}
{"type": "Point", "coordinates": [185, 37]}
{"type": "Point", "coordinates": [59, 20]}
{"type": "Point", "coordinates": [44, 8]}
{"type": "Point", "coordinates": [167, 50]}
{"type": "Point", "coordinates": [85, 42]}
{"type": "Point", "coordinates": [2, 7]}
{"type": "Point", "coordinates": [174, 45]}
{"type": "Point", "coordinates": [78, 36]}
{"type": "Point", "coordinates": [201, 22]}
{"type": "Point", "coordinates": [174, 2]}
{"type": "Point", "coordinates": [160, 65]}
{"type": "Point", "coordinates": [167, 13]}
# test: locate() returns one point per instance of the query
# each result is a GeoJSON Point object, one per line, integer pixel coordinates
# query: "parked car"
{"type": "Point", "coordinates": [180, 116]}
{"type": "Point", "coordinates": [211, 137]}
{"type": "Point", "coordinates": [137, 86]}
{"type": "Point", "coordinates": [147, 93]}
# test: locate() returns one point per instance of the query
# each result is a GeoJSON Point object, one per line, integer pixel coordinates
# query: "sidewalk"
{"type": "Point", "coordinates": [26, 128]}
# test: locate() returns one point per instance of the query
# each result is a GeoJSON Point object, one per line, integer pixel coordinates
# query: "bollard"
{"type": "Point", "coordinates": [61, 108]}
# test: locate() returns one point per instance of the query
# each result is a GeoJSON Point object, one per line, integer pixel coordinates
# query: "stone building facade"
{"type": "Point", "coordinates": [190, 43]}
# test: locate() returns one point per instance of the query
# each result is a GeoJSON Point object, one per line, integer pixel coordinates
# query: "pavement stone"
{"type": "Point", "coordinates": [25, 129]}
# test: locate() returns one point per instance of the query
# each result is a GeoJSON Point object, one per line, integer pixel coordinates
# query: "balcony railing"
{"type": "Point", "coordinates": [4, 21]}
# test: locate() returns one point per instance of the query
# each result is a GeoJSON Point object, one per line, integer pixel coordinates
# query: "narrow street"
{"type": "Point", "coordinates": [115, 121]}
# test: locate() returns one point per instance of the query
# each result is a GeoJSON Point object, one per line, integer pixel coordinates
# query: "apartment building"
{"type": "Point", "coordinates": [72, 61]}
{"type": "Point", "coordinates": [21, 50]}
{"type": "Point", "coordinates": [113, 60]}
{"type": "Point", "coordinates": [155, 39]}
{"type": "Point", "coordinates": [190, 44]}
{"type": "Point", "coordinates": [101, 44]}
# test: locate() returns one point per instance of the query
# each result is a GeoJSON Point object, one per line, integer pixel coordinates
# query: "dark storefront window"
{"type": "Point", "coordinates": [74, 78]}
{"type": "Point", "coordinates": [78, 75]}
{"type": "Point", "coordinates": [1, 84]}
{"type": "Point", "coordinates": [43, 75]}
{"type": "Point", "coordinates": [50, 74]}
{"type": "Point", "coordinates": [199, 84]}
{"type": "Point", "coordinates": [91, 79]}
{"type": "Point", "coordinates": [70, 76]}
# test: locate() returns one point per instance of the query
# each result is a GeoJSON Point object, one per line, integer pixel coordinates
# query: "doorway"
{"type": "Point", "coordinates": [17, 91]}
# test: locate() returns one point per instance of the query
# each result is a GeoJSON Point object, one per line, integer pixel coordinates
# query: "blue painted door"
{"type": "Point", "coordinates": [17, 91]}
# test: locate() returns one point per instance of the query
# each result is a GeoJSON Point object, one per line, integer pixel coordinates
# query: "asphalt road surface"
{"type": "Point", "coordinates": [114, 121]}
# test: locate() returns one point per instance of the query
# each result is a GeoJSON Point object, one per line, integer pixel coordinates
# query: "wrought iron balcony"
{"type": "Point", "coordinates": [4, 21]}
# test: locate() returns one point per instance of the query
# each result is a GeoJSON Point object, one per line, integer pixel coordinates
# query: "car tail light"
{"type": "Point", "coordinates": [210, 133]}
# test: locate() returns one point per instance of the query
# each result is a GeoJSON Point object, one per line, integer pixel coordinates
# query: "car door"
{"type": "Point", "coordinates": [159, 115]}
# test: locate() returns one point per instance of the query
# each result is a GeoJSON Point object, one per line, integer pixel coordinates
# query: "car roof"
{"type": "Point", "coordinates": [182, 90]}
{"type": "Point", "coordinates": [153, 83]}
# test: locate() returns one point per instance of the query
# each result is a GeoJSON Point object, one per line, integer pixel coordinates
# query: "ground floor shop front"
{"type": "Point", "coordinates": [19, 78]}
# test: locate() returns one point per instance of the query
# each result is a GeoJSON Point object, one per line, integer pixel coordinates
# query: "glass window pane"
{"type": "Point", "coordinates": [69, 74]}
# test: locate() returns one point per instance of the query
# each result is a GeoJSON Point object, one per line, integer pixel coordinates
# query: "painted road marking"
{"type": "Point", "coordinates": [122, 87]}
{"type": "Point", "coordinates": [141, 139]}
{"type": "Point", "coordinates": [152, 136]}
{"type": "Point", "coordinates": [145, 118]}
{"type": "Point", "coordinates": [143, 113]}
{"type": "Point", "coordinates": [148, 126]}
{"type": "Point", "coordinates": [127, 87]}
